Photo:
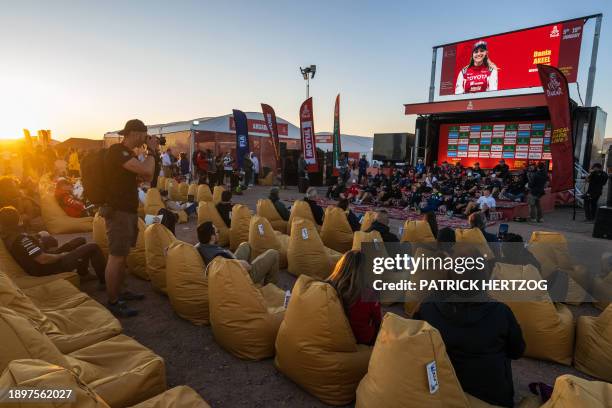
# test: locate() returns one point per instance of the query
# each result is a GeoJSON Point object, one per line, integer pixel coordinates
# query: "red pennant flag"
{"type": "Point", "coordinates": [270, 119]}
{"type": "Point", "coordinates": [309, 145]}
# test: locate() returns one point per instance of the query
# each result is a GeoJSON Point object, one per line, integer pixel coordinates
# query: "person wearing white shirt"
{"type": "Point", "coordinates": [167, 163]}
{"type": "Point", "coordinates": [255, 161]}
{"type": "Point", "coordinates": [486, 200]}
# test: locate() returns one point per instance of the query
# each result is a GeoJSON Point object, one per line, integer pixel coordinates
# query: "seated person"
{"type": "Point", "coordinates": [225, 207]}
{"type": "Point", "coordinates": [352, 192]}
{"type": "Point", "coordinates": [317, 211]}
{"type": "Point", "coordinates": [189, 208]}
{"type": "Point", "coordinates": [515, 191]}
{"type": "Point", "coordinates": [484, 203]}
{"type": "Point", "coordinates": [477, 220]}
{"type": "Point", "coordinates": [481, 338]}
{"type": "Point", "coordinates": [350, 216]}
{"type": "Point", "coordinates": [364, 315]}
{"type": "Point", "coordinates": [72, 206]}
{"type": "Point", "coordinates": [446, 235]}
{"type": "Point", "coordinates": [365, 194]}
{"type": "Point", "coordinates": [39, 255]}
{"type": "Point", "coordinates": [278, 204]}
{"type": "Point", "coordinates": [336, 191]}
{"type": "Point", "coordinates": [381, 224]}
{"type": "Point", "coordinates": [263, 269]}
{"type": "Point", "coordinates": [430, 218]}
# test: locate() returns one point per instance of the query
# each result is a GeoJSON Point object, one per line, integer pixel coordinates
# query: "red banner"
{"type": "Point", "coordinates": [270, 119]}
{"type": "Point", "coordinates": [561, 145]}
{"type": "Point", "coordinates": [509, 61]}
{"type": "Point", "coordinates": [337, 144]}
{"type": "Point", "coordinates": [309, 144]}
{"type": "Point", "coordinates": [259, 126]}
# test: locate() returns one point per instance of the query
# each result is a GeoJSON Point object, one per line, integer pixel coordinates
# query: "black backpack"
{"type": "Point", "coordinates": [93, 177]}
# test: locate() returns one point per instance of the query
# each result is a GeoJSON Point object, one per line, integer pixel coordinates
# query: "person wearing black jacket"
{"type": "Point", "coordinates": [536, 182]}
{"type": "Point", "coordinates": [350, 216]}
{"type": "Point", "coordinates": [381, 224]}
{"type": "Point", "coordinates": [278, 204]}
{"type": "Point", "coordinates": [317, 211]}
{"type": "Point", "coordinates": [225, 207]}
{"type": "Point", "coordinates": [597, 179]}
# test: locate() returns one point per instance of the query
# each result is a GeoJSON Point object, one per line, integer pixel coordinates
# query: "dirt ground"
{"type": "Point", "coordinates": [194, 358]}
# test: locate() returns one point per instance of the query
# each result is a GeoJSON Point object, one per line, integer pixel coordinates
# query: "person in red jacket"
{"type": "Point", "coordinates": [364, 315]}
{"type": "Point", "coordinates": [72, 206]}
{"type": "Point", "coordinates": [480, 74]}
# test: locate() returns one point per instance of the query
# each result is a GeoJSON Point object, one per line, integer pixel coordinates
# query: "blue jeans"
{"type": "Point", "coordinates": [519, 196]}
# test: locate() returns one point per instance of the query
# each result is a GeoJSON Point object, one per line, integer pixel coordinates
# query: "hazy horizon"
{"type": "Point", "coordinates": [82, 68]}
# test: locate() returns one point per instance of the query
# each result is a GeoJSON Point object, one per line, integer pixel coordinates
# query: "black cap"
{"type": "Point", "coordinates": [133, 125]}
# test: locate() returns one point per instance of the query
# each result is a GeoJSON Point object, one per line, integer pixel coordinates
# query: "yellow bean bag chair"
{"type": "Point", "coordinates": [268, 180]}
{"type": "Point", "coordinates": [361, 237]}
{"type": "Point", "coordinates": [217, 191]}
{"type": "Point", "coordinates": [119, 369]}
{"type": "Point", "coordinates": [56, 220]}
{"type": "Point", "coordinates": [400, 364]}
{"type": "Point", "coordinates": [306, 252]}
{"type": "Point", "coordinates": [192, 192]}
{"type": "Point", "coordinates": [315, 346]}
{"type": "Point", "coordinates": [602, 291]}
{"type": "Point", "coordinates": [266, 209]}
{"type": "Point", "coordinates": [548, 328]}
{"type": "Point", "coordinates": [183, 191]}
{"type": "Point", "coordinates": [239, 226]}
{"type": "Point", "coordinates": [263, 237]}
{"type": "Point", "coordinates": [69, 329]}
{"type": "Point", "coordinates": [99, 233]}
{"type": "Point", "coordinates": [204, 193]}
{"type": "Point", "coordinates": [301, 209]}
{"type": "Point", "coordinates": [161, 183]}
{"type": "Point", "coordinates": [157, 239]}
{"type": "Point", "coordinates": [336, 231]}
{"type": "Point", "coordinates": [243, 320]}
{"type": "Point", "coordinates": [208, 212]}
{"type": "Point", "coordinates": [55, 295]}
{"type": "Point", "coordinates": [13, 270]}
{"type": "Point", "coordinates": [593, 353]}
{"type": "Point", "coordinates": [417, 231]}
{"type": "Point", "coordinates": [174, 192]}
{"type": "Point", "coordinates": [187, 283]}
{"type": "Point", "coordinates": [177, 397]}
{"type": "Point", "coordinates": [474, 236]}
{"type": "Point", "coordinates": [153, 202]}
{"type": "Point", "coordinates": [366, 221]}
{"type": "Point", "coordinates": [573, 392]}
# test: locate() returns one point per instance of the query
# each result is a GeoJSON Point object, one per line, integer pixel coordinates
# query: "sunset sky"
{"type": "Point", "coordinates": [81, 68]}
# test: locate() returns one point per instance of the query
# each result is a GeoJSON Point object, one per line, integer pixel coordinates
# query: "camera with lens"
{"type": "Point", "coordinates": [161, 139]}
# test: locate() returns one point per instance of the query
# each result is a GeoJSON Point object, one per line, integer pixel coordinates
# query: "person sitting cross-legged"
{"type": "Point", "coordinates": [263, 269]}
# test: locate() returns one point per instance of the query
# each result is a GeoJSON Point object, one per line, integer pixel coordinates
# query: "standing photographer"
{"type": "Point", "coordinates": [597, 179]}
{"type": "Point", "coordinates": [123, 171]}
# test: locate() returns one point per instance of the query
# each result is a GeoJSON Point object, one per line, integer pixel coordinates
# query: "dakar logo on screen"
{"type": "Point", "coordinates": [554, 32]}
{"type": "Point", "coordinates": [554, 85]}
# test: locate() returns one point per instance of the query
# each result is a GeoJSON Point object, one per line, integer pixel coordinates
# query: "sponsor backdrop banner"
{"type": "Point", "coordinates": [337, 146]}
{"type": "Point", "coordinates": [272, 126]}
{"type": "Point", "coordinates": [242, 136]}
{"type": "Point", "coordinates": [488, 142]}
{"type": "Point", "coordinates": [562, 146]}
{"type": "Point", "coordinates": [509, 61]}
{"type": "Point", "coordinates": [309, 145]}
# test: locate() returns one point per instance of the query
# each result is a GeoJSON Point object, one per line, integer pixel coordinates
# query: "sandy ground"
{"type": "Point", "coordinates": [194, 358]}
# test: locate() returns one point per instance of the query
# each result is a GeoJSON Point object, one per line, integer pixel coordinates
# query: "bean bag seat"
{"type": "Point", "coordinates": [137, 259]}
{"type": "Point", "coordinates": [120, 370]}
{"type": "Point", "coordinates": [174, 192]}
{"type": "Point", "coordinates": [13, 270]}
{"type": "Point", "coordinates": [263, 237]}
{"type": "Point", "coordinates": [192, 192]}
{"type": "Point", "coordinates": [177, 397]}
{"type": "Point", "coordinates": [55, 295]}
{"type": "Point", "coordinates": [417, 231]}
{"type": "Point", "coordinates": [183, 191]}
{"type": "Point", "coordinates": [243, 321]}
{"type": "Point", "coordinates": [153, 202]}
{"type": "Point", "coordinates": [208, 212]}
{"type": "Point", "coordinates": [239, 226]}
{"type": "Point", "coordinates": [268, 180]}
{"type": "Point", "coordinates": [56, 220]}
{"type": "Point", "coordinates": [306, 252]}
{"type": "Point", "coordinates": [572, 392]}
{"type": "Point", "coordinates": [360, 237]}
{"type": "Point", "coordinates": [169, 181]}
{"type": "Point", "coordinates": [204, 193]}
{"type": "Point", "coordinates": [266, 209]}
{"type": "Point", "coordinates": [315, 346]}
{"type": "Point", "coordinates": [157, 240]}
{"type": "Point", "coordinates": [39, 374]}
{"type": "Point", "coordinates": [161, 183]}
{"type": "Point", "coordinates": [602, 291]}
{"type": "Point", "coordinates": [217, 191]}
{"type": "Point", "coordinates": [548, 328]}
{"type": "Point", "coordinates": [99, 233]}
{"type": "Point", "coordinates": [399, 367]}
{"type": "Point", "coordinates": [367, 220]}
{"type": "Point", "coordinates": [69, 329]}
{"type": "Point", "coordinates": [187, 283]}
{"type": "Point", "coordinates": [301, 209]}
{"type": "Point", "coordinates": [336, 231]}
{"type": "Point", "coordinates": [593, 353]}
{"type": "Point", "coordinates": [474, 236]}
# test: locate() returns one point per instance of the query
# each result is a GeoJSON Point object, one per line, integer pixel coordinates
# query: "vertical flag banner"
{"type": "Point", "coordinates": [309, 146]}
{"type": "Point", "coordinates": [337, 144]}
{"type": "Point", "coordinates": [561, 145]}
{"type": "Point", "coordinates": [27, 137]}
{"type": "Point", "coordinates": [242, 136]}
{"type": "Point", "coordinates": [42, 137]}
{"type": "Point", "coordinates": [270, 119]}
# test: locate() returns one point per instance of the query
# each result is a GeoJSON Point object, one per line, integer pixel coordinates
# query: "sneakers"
{"type": "Point", "coordinates": [128, 295]}
{"type": "Point", "coordinates": [121, 309]}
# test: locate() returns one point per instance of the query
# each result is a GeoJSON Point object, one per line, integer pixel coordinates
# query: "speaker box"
{"type": "Point", "coordinates": [603, 223]}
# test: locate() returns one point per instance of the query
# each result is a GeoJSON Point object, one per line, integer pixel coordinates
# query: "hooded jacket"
{"type": "Point", "coordinates": [385, 234]}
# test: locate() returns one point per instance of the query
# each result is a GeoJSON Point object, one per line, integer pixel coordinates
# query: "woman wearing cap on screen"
{"type": "Point", "coordinates": [480, 75]}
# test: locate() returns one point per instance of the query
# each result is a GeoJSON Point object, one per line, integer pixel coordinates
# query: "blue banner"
{"type": "Point", "coordinates": [242, 136]}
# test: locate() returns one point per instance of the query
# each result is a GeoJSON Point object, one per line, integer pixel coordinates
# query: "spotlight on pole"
{"type": "Point", "coordinates": [307, 74]}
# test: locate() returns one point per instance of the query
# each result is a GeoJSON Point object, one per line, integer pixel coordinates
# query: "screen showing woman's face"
{"type": "Point", "coordinates": [479, 54]}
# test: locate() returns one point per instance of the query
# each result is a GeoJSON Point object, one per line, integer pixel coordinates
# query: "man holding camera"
{"type": "Point", "coordinates": [123, 173]}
